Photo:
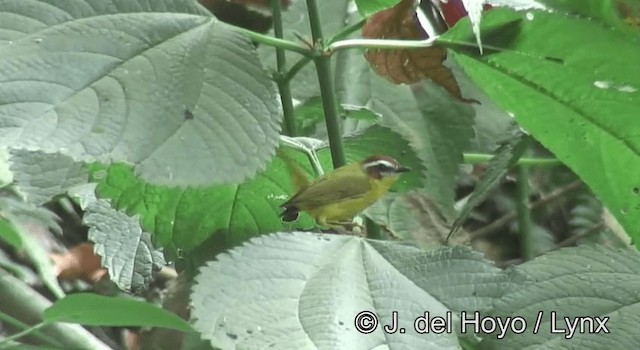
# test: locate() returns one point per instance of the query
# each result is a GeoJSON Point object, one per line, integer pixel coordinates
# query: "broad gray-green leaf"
{"type": "Point", "coordinates": [126, 250]}
{"type": "Point", "coordinates": [588, 281]}
{"type": "Point", "coordinates": [304, 290]}
{"type": "Point", "coordinates": [40, 176]}
{"type": "Point", "coordinates": [158, 84]}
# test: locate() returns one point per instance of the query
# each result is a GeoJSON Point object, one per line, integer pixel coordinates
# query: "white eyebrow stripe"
{"type": "Point", "coordinates": [386, 163]}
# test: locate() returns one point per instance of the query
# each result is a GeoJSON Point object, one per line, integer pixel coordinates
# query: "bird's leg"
{"type": "Point", "coordinates": [344, 227]}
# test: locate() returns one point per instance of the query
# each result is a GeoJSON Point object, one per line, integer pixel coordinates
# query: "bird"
{"type": "Point", "coordinates": [334, 198]}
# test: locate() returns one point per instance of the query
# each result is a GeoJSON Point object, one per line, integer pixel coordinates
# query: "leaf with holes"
{"type": "Point", "coordinates": [141, 82]}
{"type": "Point", "coordinates": [303, 291]}
{"type": "Point", "coordinates": [577, 94]}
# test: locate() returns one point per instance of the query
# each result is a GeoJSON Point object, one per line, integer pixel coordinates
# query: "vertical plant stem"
{"type": "Point", "coordinates": [327, 88]}
{"type": "Point", "coordinates": [524, 215]}
{"type": "Point", "coordinates": [281, 61]}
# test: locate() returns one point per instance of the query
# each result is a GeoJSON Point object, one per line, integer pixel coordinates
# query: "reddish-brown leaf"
{"type": "Point", "coordinates": [80, 262]}
{"type": "Point", "coordinates": [407, 66]}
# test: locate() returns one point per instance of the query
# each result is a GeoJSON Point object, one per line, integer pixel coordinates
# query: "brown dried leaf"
{"type": "Point", "coordinates": [407, 66]}
{"type": "Point", "coordinates": [80, 262]}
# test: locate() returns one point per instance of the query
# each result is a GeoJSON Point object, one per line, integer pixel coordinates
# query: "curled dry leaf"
{"type": "Point", "coordinates": [80, 262]}
{"type": "Point", "coordinates": [407, 66]}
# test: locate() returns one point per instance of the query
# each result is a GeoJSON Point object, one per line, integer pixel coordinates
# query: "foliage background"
{"type": "Point", "coordinates": [139, 163]}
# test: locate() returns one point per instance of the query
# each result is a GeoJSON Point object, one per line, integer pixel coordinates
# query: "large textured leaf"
{"type": "Point", "coordinates": [40, 176]}
{"type": "Point", "coordinates": [578, 94]}
{"type": "Point", "coordinates": [579, 282]}
{"type": "Point", "coordinates": [157, 84]}
{"type": "Point", "coordinates": [126, 250]}
{"type": "Point", "coordinates": [184, 218]}
{"type": "Point", "coordinates": [302, 291]}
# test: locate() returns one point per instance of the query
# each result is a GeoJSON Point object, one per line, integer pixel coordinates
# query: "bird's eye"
{"type": "Point", "coordinates": [384, 168]}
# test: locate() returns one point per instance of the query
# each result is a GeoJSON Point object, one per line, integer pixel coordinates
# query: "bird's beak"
{"type": "Point", "coordinates": [402, 169]}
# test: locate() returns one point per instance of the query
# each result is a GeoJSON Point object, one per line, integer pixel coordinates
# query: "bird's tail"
{"type": "Point", "coordinates": [290, 214]}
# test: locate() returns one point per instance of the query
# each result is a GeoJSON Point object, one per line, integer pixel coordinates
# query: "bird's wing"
{"type": "Point", "coordinates": [325, 191]}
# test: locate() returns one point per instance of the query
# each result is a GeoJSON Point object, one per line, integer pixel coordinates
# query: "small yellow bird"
{"type": "Point", "coordinates": [333, 199]}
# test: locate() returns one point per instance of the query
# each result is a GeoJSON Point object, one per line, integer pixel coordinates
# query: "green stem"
{"type": "Point", "coordinates": [281, 61]}
{"type": "Point", "coordinates": [524, 215]}
{"type": "Point", "coordinates": [478, 158]}
{"type": "Point", "coordinates": [21, 334]}
{"type": "Point", "coordinates": [327, 88]}
{"type": "Point", "coordinates": [27, 305]}
{"type": "Point", "coordinates": [348, 30]}
{"type": "Point", "coordinates": [302, 62]}
{"type": "Point", "coordinates": [6, 318]}
{"type": "Point", "coordinates": [275, 42]}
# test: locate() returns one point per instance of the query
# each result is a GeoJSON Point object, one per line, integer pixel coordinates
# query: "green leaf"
{"type": "Point", "coordinates": [577, 94]}
{"type": "Point", "coordinates": [40, 176]}
{"type": "Point", "coordinates": [127, 250]}
{"type": "Point", "coordinates": [505, 158]}
{"type": "Point", "coordinates": [619, 13]}
{"type": "Point", "coordinates": [369, 7]}
{"type": "Point", "coordinates": [9, 234]}
{"type": "Point", "coordinates": [184, 218]}
{"type": "Point", "coordinates": [97, 310]}
{"type": "Point", "coordinates": [303, 291]}
{"type": "Point", "coordinates": [158, 84]}
{"type": "Point", "coordinates": [575, 282]}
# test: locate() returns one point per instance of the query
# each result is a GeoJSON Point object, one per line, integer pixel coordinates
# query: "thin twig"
{"type": "Point", "coordinates": [575, 238]}
{"type": "Point", "coordinates": [505, 219]}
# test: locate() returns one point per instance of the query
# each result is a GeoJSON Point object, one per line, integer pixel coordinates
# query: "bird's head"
{"type": "Point", "coordinates": [379, 167]}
